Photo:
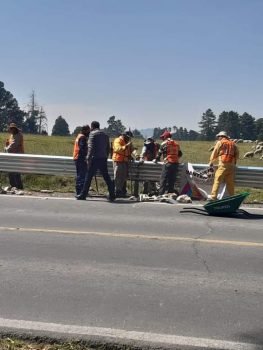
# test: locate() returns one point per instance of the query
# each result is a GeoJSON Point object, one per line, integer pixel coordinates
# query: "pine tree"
{"type": "Point", "coordinates": [115, 127]}
{"type": "Point", "coordinates": [247, 127]}
{"type": "Point", "coordinates": [208, 125]}
{"type": "Point", "coordinates": [9, 109]}
{"type": "Point", "coordinates": [60, 127]}
{"type": "Point", "coordinates": [259, 129]}
{"type": "Point", "coordinates": [77, 130]}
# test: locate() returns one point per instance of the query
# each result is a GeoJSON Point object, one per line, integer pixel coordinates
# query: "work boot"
{"type": "Point", "coordinates": [111, 198]}
{"type": "Point", "coordinates": [80, 197]}
{"type": "Point", "coordinates": [120, 194]}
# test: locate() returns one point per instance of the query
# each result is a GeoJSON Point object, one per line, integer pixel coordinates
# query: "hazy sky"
{"type": "Point", "coordinates": [148, 62]}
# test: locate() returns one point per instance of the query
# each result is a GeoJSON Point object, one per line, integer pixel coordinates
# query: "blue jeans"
{"type": "Point", "coordinates": [101, 165]}
{"type": "Point", "coordinates": [81, 169]}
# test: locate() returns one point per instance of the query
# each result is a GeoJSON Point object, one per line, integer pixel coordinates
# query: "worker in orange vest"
{"type": "Point", "coordinates": [79, 155]}
{"type": "Point", "coordinates": [122, 149]}
{"type": "Point", "coordinates": [227, 153]}
{"type": "Point", "coordinates": [171, 152]}
{"type": "Point", "coordinates": [15, 144]}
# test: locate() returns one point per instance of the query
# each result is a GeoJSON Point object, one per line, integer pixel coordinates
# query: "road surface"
{"type": "Point", "coordinates": [131, 272]}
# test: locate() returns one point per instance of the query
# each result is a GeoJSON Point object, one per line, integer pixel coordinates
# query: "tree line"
{"type": "Point", "coordinates": [34, 121]}
{"type": "Point", "coordinates": [237, 126]}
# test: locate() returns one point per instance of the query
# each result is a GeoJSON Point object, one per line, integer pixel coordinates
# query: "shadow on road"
{"type": "Point", "coordinates": [116, 201]}
{"type": "Point", "coordinates": [255, 337]}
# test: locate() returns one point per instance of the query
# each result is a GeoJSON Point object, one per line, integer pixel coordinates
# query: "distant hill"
{"type": "Point", "coordinates": [147, 132]}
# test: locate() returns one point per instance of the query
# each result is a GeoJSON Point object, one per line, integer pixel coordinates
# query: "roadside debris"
{"type": "Point", "coordinates": [11, 190]}
{"type": "Point", "coordinates": [171, 198]}
{"type": "Point", "coordinates": [184, 199]}
{"type": "Point", "coordinates": [2, 191]}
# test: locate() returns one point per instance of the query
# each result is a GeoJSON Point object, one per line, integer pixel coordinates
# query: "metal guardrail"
{"type": "Point", "coordinates": [56, 165]}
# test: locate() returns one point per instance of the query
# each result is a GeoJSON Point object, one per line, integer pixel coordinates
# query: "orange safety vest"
{"type": "Point", "coordinates": [172, 150]}
{"type": "Point", "coordinates": [227, 151]}
{"type": "Point", "coordinates": [76, 146]}
{"type": "Point", "coordinates": [120, 152]}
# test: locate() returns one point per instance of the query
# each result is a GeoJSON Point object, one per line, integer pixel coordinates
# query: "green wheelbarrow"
{"type": "Point", "coordinates": [228, 206]}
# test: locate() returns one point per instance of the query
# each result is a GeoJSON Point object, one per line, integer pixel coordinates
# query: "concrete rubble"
{"type": "Point", "coordinates": [171, 198]}
{"type": "Point", "coordinates": [11, 190]}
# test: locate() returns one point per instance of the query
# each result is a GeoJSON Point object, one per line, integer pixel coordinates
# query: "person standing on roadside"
{"type": "Point", "coordinates": [227, 153]}
{"type": "Point", "coordinates": [121, 156]}
{"type": "Point", "coordinates": [171, 152]}
{"type": "Point", "coordinates": [98, 151]}
{"type": "Point", "coordinates": [15, 144]}
{"type": "Point", "coordinates": [149, 152]}
{"type": "Point", "coordinates": [79, 155]}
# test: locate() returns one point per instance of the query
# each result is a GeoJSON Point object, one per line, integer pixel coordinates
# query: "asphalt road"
{"type": "Point", "coordinates": [132, 272]}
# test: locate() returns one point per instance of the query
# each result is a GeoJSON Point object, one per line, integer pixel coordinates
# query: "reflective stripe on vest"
{"type": "Point", "coordinates": [76, 147]}
{"type": "Point", "coordinates": [227, 151]}
{"type": "Point", "coordinates": [172, 151]}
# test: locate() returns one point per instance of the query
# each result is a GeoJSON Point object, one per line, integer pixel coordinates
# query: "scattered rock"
{"type": "Point", "coordinates": [133, 198]}
{"type": "Point", "coordinates": [2, 191]}
{"type": "Point", "coordinates": [165, 198]}
{"type": "Point", "coordinates": [184, 199]}
{"type": "Point", "coordinates": [19, 192]}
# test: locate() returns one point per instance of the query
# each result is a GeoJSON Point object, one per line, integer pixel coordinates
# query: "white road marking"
{"type": "Point", "coordinates": [119, 334]}
{"type": "Point", "coordinates": [104, 198]}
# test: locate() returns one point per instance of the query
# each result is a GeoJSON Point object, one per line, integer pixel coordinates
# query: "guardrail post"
{"type": "Point", "coordinates": [136, 188]}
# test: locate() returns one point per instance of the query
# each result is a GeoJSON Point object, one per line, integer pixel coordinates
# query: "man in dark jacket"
{"type": "Point", "coordinates": [98, 151]}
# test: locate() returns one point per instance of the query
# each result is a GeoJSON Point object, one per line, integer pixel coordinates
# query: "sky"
{"type": "Point", "coordinates": [151, 63]}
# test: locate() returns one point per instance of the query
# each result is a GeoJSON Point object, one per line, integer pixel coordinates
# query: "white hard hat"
{"type": "Point", "coordinates": [222, 133]}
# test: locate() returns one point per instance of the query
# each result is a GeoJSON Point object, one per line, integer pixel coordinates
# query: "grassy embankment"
{"type": "Point", "coordinates": [194, 152]}
{"type": "Point", "coordinates": [17, 344]}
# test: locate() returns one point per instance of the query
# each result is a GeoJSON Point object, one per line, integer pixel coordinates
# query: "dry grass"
{"type": "Point", "coordinates": [16, 344]}
{"type": "Point", "coordinates": [193, 151]}
{"type": "Point", "coordinates": [196, 152]}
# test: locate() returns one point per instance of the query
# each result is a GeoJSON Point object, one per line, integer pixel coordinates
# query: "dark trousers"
{"type": "Point", "coordinates": [168, 177]}
{"type": "Point", "coordinates": [81, 171]}
{"type": "Point", "coordinates": [149, 187]}
{"type": "Point", "coordinates": [101, 165]}
{"type": "Point", "coordinates": [15, 180]}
